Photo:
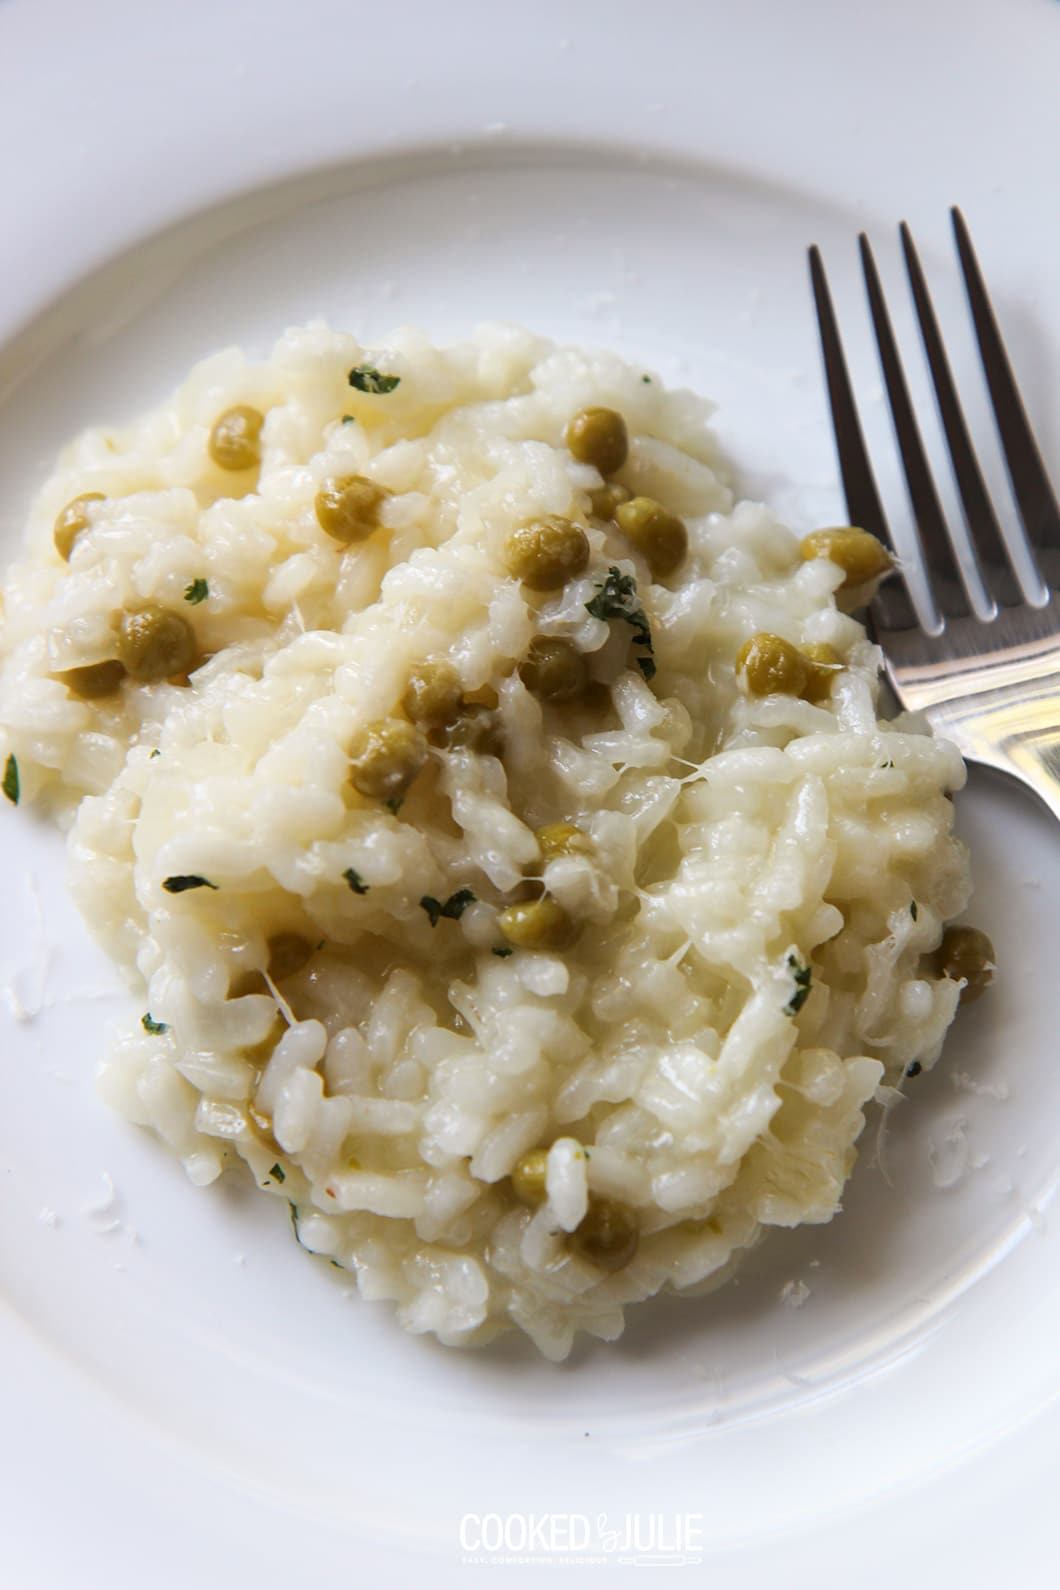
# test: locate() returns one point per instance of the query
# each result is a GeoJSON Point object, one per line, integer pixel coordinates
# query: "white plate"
{"type": "Point", "coordinates": [191, 1399]}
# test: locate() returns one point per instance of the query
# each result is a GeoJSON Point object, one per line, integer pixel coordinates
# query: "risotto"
{"type": "Point", "coordinates": [493, 812]}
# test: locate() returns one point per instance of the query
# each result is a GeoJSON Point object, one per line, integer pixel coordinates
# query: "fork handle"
{"type": "Point", "coordinates": [1014, 728]}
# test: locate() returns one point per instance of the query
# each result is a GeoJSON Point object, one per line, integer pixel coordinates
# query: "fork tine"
{"type": "Point", "coordinates": [927, 510]}
{"type": "Point", "coordinates": [859, 484]}
{"type": "Point", "coordinates": [1030, 484]}
{"type": "Point", "coordinates": [979, 514]}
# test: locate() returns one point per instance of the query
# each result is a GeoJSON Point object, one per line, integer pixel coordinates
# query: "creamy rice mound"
{"type": "Point", "coordinates": [757, 888]}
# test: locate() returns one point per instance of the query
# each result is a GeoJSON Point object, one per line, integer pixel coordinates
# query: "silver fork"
{"type": "Point", "coordinates": [988, 680]}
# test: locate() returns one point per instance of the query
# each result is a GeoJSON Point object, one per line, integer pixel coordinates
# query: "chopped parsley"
{"type": "Point", "coordinates": [458, 903]}
{"type": "Point", "coordinates": [503, 951]}
{"type": "Point", "coordinates": [886, 764]}
{"type": "Point", "coordinates": [11, 786]}
{"type": "Point", "coordinates": [646, 379]}
{"type": "Point", "coordinates": [355, 881]}
{"type": "Point", "coordinates": [186, 880]}
{"type": "Point", "coordinates": [149, 1024]}
{"type": "Point", "coordinates": [617, 599]}
{"type": "Point", "coordinates": [453, 908]}
{"type": "Point", "coordinates": [394, 804]}
{"type": "Point", "coordinates": [294, 1225]}
{"type": "Point", "coordinates": [913, 1069]}
{"type": "Point", "coordinates": [348, 419]}
{"type": "Point", "coordinates": [913, 910]}
{"type": "Point", "coordinates": [367, 379]}
{"type": "Point", "coordinates": [154, 753]}
{"type": "Point", "coordinates": [278, 1174]}
{"type": "Point", "coordinates": [196, 592]}
{"type": "Point", "coordinates": [803, 977]}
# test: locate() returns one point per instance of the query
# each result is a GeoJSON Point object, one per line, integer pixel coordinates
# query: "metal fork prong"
{"type": "Point", "coordinates": [983, 526]}
{"type": "Point", "coordinates": [944, 574]}
{"type": "Point", "coordinates": [1030, 484]}
{"type": "Point", "coordinates": [859, 484]}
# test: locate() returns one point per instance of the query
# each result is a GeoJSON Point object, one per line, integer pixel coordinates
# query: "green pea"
{"type": "Point", "coordinates": [235, 440]}
{"type": "Point", "coordinates": [660, 536]}
{"type": "Point", "coordinates": [385, 758]}
{"type": "Point", "coordinates": [599, 437]}
{"type": "Point", "coordinates": [538, 925]}
{"type": "Point", "coordinates": [608, 1236]}
{"type": "Point", "coordinates": [554, 669]}
{"type": "Point", "coordinates": [348, 509]}
{"type": "Point", "coordinates": [546, 553]}
{"type": "Point", "coordinates": [72, 521]}
{"type": "Point", "coordinates": [155, 644]}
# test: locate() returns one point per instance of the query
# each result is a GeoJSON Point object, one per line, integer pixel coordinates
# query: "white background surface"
{"type": "Point", "coordinates": [189, 1399]}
